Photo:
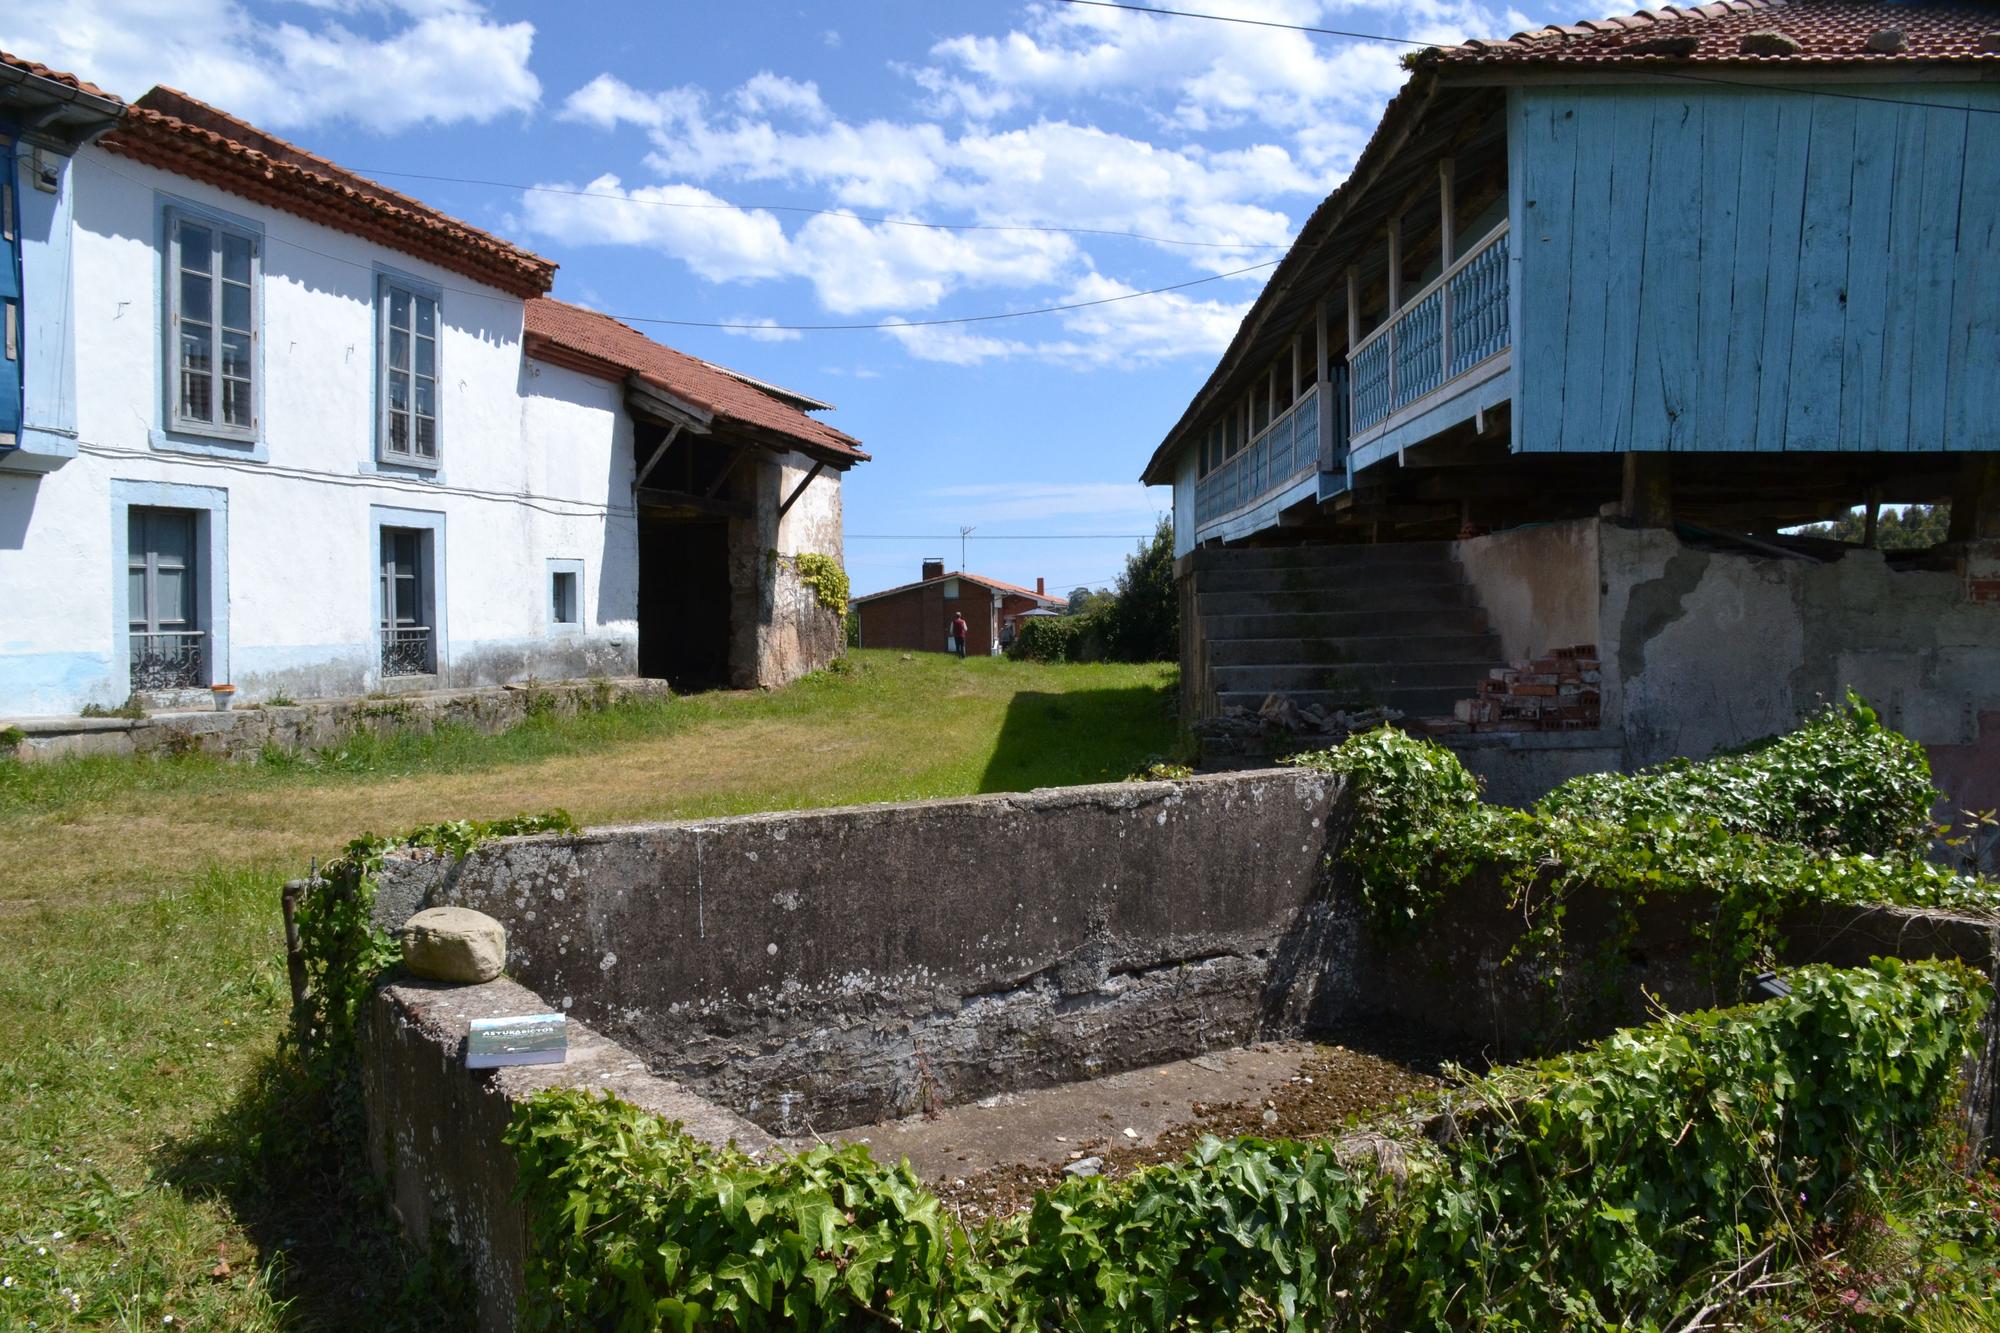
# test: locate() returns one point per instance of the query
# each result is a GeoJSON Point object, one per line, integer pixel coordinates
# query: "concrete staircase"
{"type": "Point", "coordinates": [1347, 627]}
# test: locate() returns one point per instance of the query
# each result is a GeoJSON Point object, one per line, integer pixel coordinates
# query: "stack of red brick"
{"type": "Point", "coordinates": [1560, 692]}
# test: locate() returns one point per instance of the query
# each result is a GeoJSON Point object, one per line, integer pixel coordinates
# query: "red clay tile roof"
{"type": "Point", "coordinates": [178, 133]}
{"type": "Point", "coordinates": [1827, 31]}
{"type": "Point", "coordinates": [995, 584]}
{"type": "Point", "coordinates": [42, 71]}
{"type": "Point", "coordinates": [585, 340]}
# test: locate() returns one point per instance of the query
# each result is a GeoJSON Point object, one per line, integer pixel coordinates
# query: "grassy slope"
{"type": "Point", "coordinates": [142, 986]}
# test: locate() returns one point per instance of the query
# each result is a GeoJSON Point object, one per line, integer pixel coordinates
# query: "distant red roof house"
{"type": "Point", "coordinates": [596, 344]}
{"type": "Point", "coordinates": [918, 616]}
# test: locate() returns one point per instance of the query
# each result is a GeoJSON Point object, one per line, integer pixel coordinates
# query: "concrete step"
{"type": "Point", "coordinates": [1346, 556]}
{"type": "Point", "coordinates": [1381, 648]}
{"type": "Point", "coordinates": [1412, 702]}
{"type": "Point", "coordinates": [1303, 578]}
{"type": "Point", "coordinates": [1407, 622]}
{"type": "Point", "coordinates": [1360, 677]}
{"type": "Point", "coordinates": [1363, 595]}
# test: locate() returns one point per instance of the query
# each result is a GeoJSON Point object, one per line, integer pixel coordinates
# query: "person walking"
{"type": "Point", "coordinates": [958, 632]}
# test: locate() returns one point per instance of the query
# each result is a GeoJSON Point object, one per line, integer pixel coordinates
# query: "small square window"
{"type": "Point", "coordinates": [562, 597]}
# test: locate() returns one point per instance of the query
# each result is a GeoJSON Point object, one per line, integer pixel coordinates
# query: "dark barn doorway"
{"type": "Point", "coordinates": [691, 489]}
{"type": "Point", "coordinates": [684, 601]}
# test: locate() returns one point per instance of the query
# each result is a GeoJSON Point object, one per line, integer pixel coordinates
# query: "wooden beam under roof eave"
{"type": "Point", "coordinates": [649, 400]}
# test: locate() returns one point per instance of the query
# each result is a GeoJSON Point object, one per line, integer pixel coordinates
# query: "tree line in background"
{"type": "Point", "coordinates": [1138, 620]}
{"type": "Point", "coordinates": [1909, 528]}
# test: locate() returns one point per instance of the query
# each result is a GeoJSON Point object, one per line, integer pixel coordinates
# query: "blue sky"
{"type": "Point", "coordinates": [683, 129]}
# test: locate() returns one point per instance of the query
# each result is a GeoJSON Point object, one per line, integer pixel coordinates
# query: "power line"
{"type": "Point", "coordinates": [996, 536]}
{"type": "Point", "coordinates": [832, 213]}
{"type": "Point", "coordinates": [1647, 69]}
{"type": "Point", "coordinates": [955, 319]}
{"type": "Point", "coordinates": [1252, 23]}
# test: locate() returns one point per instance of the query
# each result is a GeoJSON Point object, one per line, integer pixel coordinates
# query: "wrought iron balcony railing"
{"type": "Point", "coordinates": [168, 660]}
{"type": "Point", "coordinates": [406, 650]}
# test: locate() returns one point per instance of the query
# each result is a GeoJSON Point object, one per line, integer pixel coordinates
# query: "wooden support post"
{"type": "Point", "coordinates": [800, 489]}
{"type": "Point", "coordinates": [1444, 265]}
{"type": "Point", "coordinates": [1323, 377]}
{"type": "Point", "coordinates": [1648, 498]}
{"type": "Point", "coordinates": [666, 443]}
{"type": "Point", "coordinates": [1870, 518]}
{"type": "Point", "coordinates": [1353, 309]}
{"type": "Point", "coordinates": [1975, 500]}
{"type": "Point", "coordinates": [1395, 298]}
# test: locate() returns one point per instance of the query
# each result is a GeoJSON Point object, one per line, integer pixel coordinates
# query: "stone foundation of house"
{"type": "Point", "coordinates": [241, 733]}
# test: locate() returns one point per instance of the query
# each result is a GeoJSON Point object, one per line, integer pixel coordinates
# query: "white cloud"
{"type": "Point", "coordinates": [854, 266]}
{"type": "Point", "coordinates": [1073, 117]}
{"type": "Point", "coordinates": [386, 66]}
{"type": "Point", "coordinates": [1122, 333]}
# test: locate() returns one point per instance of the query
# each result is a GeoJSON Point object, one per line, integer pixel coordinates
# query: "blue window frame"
{"type": "Point", "coordinates": [11, 322]}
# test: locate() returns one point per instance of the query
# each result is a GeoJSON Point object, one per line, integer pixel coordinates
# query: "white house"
{"type": "Point", "coordinates": [265, 422]}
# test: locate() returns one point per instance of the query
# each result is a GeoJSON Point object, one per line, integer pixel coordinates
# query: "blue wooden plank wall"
{"type": "Point", "coordinates": [1750, 270]}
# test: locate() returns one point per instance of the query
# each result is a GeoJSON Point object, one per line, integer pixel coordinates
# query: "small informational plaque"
{"type": "Point", "coordinates": [533, 1039]}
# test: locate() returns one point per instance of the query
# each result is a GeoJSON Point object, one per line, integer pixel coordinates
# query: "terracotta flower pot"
{"type": "Point", "coordinates": [224, 694]}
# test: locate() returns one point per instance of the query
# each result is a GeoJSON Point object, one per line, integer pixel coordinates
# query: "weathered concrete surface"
{"type": "Point", "coordinates": [242, 733]}
{"type": "Point", "coordinates": [1046, 1125]}
{"type": "Point", "coordinates": [434, 1126]}
{"type": "Point", "coordinates": [1706, 649]}
{"type": "Point", "coordinates": [794, 965]}
{"type": "Point", "coordinates": [1538, 585]}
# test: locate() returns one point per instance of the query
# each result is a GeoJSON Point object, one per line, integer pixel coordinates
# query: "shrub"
{"type": "Point", "coordinates": [1840, 782]}
{"type": "Point", "coordinates": [1051, 639]}
{"type": "Point", "coordinates": [1420, 830]}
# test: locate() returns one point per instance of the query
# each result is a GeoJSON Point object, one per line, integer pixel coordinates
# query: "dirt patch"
{"type": "Point", "coordinates": [1331, 1084]}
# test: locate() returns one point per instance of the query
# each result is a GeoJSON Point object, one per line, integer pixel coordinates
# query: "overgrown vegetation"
{"type": "Point", "coordinates": [1615, 1186]}
{"type": "Point", "coordinates": [1837, 811]}
{"type": "Point", "coordinates": [824, 575]}
{"type": "Point", "coordinates": [1138, 621]}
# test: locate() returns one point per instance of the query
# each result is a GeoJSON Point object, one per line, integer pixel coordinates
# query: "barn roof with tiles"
{"type": "Point", "coordinates": [1790, 33]}
{"type": "Point", "coordinates": [595, 343]}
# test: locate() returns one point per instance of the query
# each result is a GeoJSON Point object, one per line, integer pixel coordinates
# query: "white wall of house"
{"type": "Point", "coordinates": [535, 468]}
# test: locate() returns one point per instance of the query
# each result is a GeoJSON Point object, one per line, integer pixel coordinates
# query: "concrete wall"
{"type": "Point", "coordinates": [1706, 649]}
{"type": "Point", "coordinates": [793, 965]}
{"type": "Point", "coordinates": [536, 465]}
{"type": "Point", "coordinates": [1538, 585]}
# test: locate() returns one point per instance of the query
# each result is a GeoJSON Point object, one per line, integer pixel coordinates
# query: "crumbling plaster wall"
{"type": "Point", "coordinates": [1538, 584]}
{"type": "Point", "coordinates": [1707, 649]}
{"type": "Point", "coordinates": [824, 968]}
{"type": "Point", "coordinates": [780, 631]}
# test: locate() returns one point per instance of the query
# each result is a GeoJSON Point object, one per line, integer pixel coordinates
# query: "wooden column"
{"type": "Point", "coordinates": [1445, 168]}
{"type": "Point", "coordinates": [1975, 500]}
{"type": "Point", "coordinates": [1648, 498]}
{"type": "Point", "coordinates": [1323, 377]}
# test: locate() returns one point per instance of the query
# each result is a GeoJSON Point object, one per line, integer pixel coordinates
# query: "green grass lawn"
{"type": "Point", "coordinates": [142, 981]}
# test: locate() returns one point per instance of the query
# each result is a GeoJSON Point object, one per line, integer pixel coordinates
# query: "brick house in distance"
{"type": "Point", "coordinates": [918, 615]}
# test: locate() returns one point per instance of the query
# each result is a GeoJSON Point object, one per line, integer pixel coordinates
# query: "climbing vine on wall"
{"type": "Point", "coordinates": [823, 574]}
{"type": "Point", "coordinates": [341, 952]}
{"type": "Point", "coordinates": [1835, 811]}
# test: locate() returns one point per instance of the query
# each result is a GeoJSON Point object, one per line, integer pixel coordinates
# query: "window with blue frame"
{"type": "Point", "coordinates": [10, 297]}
